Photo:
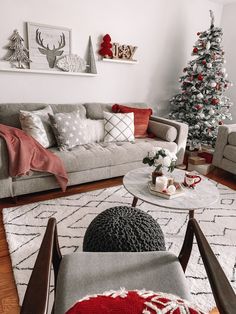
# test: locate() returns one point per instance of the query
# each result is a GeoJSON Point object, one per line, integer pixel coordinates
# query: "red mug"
{"type": "Point", "coordinates": [191, 179]}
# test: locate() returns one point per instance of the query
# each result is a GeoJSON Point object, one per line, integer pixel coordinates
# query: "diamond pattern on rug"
{"type": "Point", "coordinates": [25, 226]}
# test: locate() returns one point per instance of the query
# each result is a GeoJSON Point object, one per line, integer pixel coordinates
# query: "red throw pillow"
{"type": "Point", "coordinates": [132, 302]}
{"type": "Point", "coordinates": [141, 118]}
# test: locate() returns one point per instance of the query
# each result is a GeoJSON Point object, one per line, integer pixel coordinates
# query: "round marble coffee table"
{"type": "Point", "coordinates": [204, 194]}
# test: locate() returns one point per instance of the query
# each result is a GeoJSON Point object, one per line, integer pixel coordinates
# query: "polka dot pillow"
{"type": "Point", "coordinates": [133, 302]}
{"type": "Point", "coordinates": [69, 129]}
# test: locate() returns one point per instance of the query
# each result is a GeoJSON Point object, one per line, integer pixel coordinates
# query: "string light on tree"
{"type": "Point", "coordinates": [201, 103]}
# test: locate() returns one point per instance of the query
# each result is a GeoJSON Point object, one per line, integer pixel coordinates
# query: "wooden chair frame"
{"type": "Point", "coordinates": [37, 293]}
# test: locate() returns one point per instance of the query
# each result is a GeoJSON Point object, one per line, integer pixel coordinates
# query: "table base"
{"type": "Point", "coordinates": [190, 212]}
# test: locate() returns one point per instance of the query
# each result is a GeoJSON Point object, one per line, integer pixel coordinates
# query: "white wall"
{"type": "Point", "coordinates": [229, 44]}
{"type": "Point", "coordinates": [163, 30]}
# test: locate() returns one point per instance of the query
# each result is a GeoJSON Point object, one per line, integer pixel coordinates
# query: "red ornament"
{"type": "Point", "coordinates": [198, 107]}
{"type": "Point", "coordinates": [198, 33]}
{"type": "Point", "coordinates": [214, 101]}
{"type": "Point", "coordinates": [200, 77]}
{"type": "Point", "coordinates": [185, 69]}
{"type": "Point", "coordinates": [195, 50]}
{"type": "Point", "coordinates": [106, 46]}
{"type": "Point", "coordinates": [220, 122]}
{"type": "Point", "coordinates": [226, 85]}
{"type": "Point", "coordinates": [204, 62]}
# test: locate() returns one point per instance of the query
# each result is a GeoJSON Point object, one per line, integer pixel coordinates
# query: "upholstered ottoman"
{"type": "Point", "coordinates": [123, 229]}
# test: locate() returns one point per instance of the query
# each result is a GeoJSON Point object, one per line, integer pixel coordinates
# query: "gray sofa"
{"type": "Point", "coordinates": [225, 149]}
{"type": "Point", "coordinates": [89, 162]}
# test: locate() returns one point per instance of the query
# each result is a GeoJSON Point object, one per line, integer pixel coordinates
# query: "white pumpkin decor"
{"type": "Point", "coordinates": [71, 63]}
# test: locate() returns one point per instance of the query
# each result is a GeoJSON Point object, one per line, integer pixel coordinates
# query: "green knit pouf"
{"type": "Point", "coordinates": [123, 229]}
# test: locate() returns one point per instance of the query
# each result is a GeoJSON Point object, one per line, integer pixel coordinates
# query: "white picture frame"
{"type": "Point", "coordinates": [47, 44]}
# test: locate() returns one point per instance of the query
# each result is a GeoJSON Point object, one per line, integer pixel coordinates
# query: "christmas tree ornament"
{"type": "Point", "coordinates": [214, 101]}
{"type": "Point", "coordinates": [208, 45]}
{"type": "Point", "coordinates": [19, 52]}
{"type": "Point", "coordinates": [200, 77]}
{"type": "Point", "coordinates": [199, 69]}
{"type": "Point", "coordinates": [198, 107]}
{"type": "Point", "coordinates": [201, 115]}
{"type": "Point", "coordinates": [211, 111]}
{"type": "Point", "coordinates": [200, 96]}
{"type": "Point", "coordinates": [200, 101]}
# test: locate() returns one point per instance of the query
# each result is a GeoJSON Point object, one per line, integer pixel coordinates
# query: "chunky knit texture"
{"type": "Point", "coordinates": [123, 229]}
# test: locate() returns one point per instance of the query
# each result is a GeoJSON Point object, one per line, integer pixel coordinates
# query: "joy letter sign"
{"type": "Point", "coordinates": [123, 51]}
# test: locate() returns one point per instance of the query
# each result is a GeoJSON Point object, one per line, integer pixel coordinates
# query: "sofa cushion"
{"type": "Point", "coordinates": [86, 273]}
{"type": "Point", "coordinates": [37, 124]}
{"type": "Point", "coordinates": [119, 127]}
{"type": "Point", "coordinates": [9, 113]}
{"type": "Point", "coordinates": [95, 110]}
{"type": "Point", "coordinates": [232, 138]}
{"type": "Point", "coordinates": [141, 118]}
{"type": "Point", "coordinates": [230, 152]}
{"type": "Point", "coordinates": [98, 155]}
{"type": "Point", "coordinates": [57, 108]}
{"type": "Point", "coordinates": [69, 129]}
{"type": "Point", "coordinates": [133, 302]}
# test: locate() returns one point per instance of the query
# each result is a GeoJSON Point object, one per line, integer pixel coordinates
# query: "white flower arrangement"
{"type": "Point", "coordinates": [161, 158]}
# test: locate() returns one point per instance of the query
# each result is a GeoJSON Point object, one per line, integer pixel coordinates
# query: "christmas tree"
{"type": "Point", "coordinates": [106, 46]}
{"type": "Point", "coordinates": [20, 53]}
{"type": "Point", "coordinates": [201, 103]}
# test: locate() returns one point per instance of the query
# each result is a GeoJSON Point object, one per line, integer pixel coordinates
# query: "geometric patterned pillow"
{"type": "Point", "coordinates": [119, 127]}
{"type": "Point", "coordinates": [69, 129]}
{"type": "Point", "coordinates": [133, 302]}
{"type": "Point", "coordinates": [36, 124]}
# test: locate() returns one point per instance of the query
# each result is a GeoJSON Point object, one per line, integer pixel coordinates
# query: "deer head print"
{"type": "Point", "coordinates": [51, 54]}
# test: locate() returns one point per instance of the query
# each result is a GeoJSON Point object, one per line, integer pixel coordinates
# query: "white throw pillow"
{"type": "Point", "coordinates": [119, 127]}
{"type": "Point", "coordinates": [95, 130]}
{"type": "Point", "coordinates": [37, 124]}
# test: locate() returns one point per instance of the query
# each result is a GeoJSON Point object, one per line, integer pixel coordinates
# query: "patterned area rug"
{"type": "Point", "coordinates": [25, 226]}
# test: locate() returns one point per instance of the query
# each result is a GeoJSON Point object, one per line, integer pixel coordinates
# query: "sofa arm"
{"type": "Point", "coordinates": [221, 141]}
{"type": "Point", "coordinates": [181, 138]}
{"type": "Point", "coordinates": [5, 180]}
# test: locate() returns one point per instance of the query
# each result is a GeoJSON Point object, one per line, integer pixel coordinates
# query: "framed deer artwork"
{"type": "Point", "coordinates": [47, 44]}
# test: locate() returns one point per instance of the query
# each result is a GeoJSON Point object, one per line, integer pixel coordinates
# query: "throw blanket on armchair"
{"type": "Point", "coordinates": [26, 154]}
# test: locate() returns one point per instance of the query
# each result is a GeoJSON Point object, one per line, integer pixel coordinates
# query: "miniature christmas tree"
{"type": "Point", "coordinates": [20, 53]}
{"type": "Point", "coordinates": [201, 103]}
{"type": "Point", "coordinates": [91, 60]}
{"type": "Point", "coordinates": [106, 46]}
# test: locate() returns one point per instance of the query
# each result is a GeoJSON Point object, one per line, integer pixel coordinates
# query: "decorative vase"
{"type": "Point", "coordinates": [155, 174]}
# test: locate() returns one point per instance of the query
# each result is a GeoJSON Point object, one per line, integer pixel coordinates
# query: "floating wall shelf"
{"type": "Point", "coordinates": [47, 72]}
{"type": "Point", "coordinates": [119, 61]}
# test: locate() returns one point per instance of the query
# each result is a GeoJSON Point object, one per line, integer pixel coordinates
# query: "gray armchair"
{"type": "Point", "coordinates": [225, 149]}
{"type": "Point", "coordinates": [80, 274]}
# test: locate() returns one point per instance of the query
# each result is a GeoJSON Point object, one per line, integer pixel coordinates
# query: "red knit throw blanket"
{"type": "Point", "coordinates": [26, 154]}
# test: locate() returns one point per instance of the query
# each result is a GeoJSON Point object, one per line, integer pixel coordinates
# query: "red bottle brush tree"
{"type": "Point", "coordinates": [106, 47]}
